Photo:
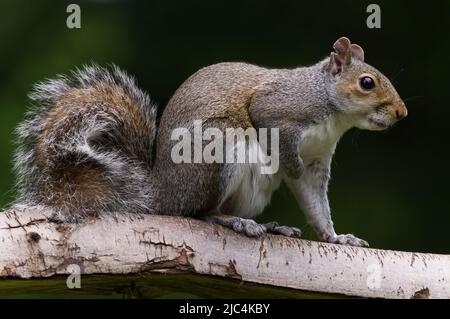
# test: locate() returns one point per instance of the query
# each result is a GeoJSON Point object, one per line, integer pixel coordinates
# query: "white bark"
{"type": "Point", "coordinates": [30, 246]}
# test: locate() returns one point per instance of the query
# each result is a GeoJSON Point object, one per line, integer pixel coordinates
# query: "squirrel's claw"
{"type": "Point", "coordinates": [347, 239]}
{"type": "Point", "coordinates": [287, 231]}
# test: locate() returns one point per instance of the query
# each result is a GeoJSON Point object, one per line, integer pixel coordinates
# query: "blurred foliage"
{"type": "Point", "coordinates": [390, 188]}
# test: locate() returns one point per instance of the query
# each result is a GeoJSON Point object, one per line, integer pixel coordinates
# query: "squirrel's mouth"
{"type": "Point", "coordinates": [379, 124]}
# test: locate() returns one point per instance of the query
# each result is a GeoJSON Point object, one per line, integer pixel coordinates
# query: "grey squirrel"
{"type": "Point", "coordinates": [91, 143]}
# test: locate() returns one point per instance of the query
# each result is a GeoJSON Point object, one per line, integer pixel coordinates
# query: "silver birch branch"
{"type": "Point", "coordinates": [33, 247]}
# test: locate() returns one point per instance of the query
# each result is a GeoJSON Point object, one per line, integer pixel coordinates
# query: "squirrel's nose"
{"type": "Point", "coordinates": [399, 111]}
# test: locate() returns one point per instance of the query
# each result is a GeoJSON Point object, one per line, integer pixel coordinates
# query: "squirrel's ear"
{"type": "Point", "coordinates": [342, 56]}
{"type": "Point", "coordinates": [357, 52]}
{"type": "Point", "coordinates": [335, 64]}
{"type": "Point", "coordinates": [342, 47]}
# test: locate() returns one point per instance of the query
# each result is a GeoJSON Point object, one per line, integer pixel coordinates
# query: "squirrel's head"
{"type": "Point", "coordinates": [361, 91]}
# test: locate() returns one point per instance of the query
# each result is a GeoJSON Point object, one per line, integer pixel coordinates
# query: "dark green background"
{"type": "Point", "coordinates": [390, 188]}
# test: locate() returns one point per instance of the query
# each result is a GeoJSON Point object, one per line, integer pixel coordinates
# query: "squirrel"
{"type": "Point", "coordinates": [91, 142]}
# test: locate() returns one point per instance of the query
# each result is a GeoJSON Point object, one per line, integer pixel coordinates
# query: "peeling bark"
{"type": "Point", "coordinates": [31, 246]}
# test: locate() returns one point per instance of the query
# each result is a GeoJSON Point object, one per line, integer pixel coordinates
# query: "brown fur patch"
{"type": "Point", "coordinates": [78, 187]}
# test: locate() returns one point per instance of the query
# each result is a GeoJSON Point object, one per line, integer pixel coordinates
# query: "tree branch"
{"type": "Point", "coordinates": [32, 246]}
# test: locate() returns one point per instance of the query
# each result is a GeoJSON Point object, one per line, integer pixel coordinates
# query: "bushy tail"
{"type": "Point", "coordinates": [86, 145]}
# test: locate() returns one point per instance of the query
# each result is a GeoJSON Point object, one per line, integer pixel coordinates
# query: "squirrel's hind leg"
{"type": "Point", "coordinates": [251, 228]}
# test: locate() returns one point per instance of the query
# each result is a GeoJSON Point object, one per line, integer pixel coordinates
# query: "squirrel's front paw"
{"type": "Point", "coordinates": [347, 239]}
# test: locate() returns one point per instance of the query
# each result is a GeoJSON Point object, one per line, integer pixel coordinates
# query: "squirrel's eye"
{"type": "Point", "coordinates": [367, 83]}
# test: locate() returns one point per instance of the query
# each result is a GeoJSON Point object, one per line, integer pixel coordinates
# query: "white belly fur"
{"type": "Point", "coordinates": [249, 191]}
